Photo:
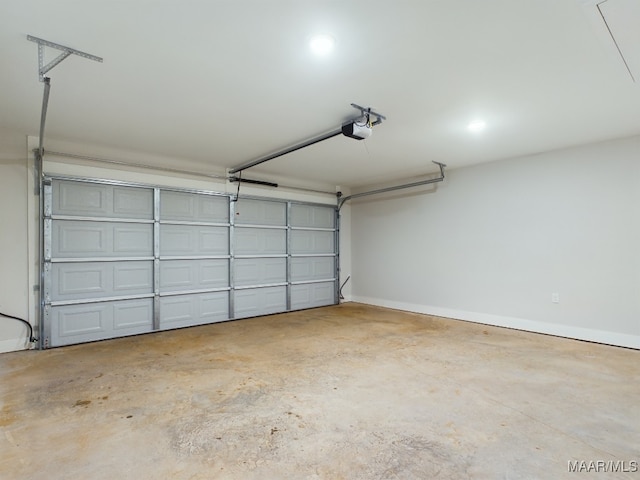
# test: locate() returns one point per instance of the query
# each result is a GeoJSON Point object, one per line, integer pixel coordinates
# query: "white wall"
{"type": "Point", "coordinates": [493, 242]}
{"type": "Point", "coordinates": [13, 239]}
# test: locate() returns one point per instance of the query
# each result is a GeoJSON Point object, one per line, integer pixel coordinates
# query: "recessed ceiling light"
{"type": "Point", "coordinates": [322, 44]}
{"type": "Point", "coordinates": [477, 126]}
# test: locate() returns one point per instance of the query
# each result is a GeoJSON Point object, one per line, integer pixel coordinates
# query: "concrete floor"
{"type": "Point", "coordinates": [347, 392]}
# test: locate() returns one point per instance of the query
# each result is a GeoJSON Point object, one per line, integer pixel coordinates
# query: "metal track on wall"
{"type": "Point", "coordinates": [404, 186]}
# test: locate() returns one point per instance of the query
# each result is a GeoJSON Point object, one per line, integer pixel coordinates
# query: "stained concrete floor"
{"type": "Point", "coordinates": [346, 392]}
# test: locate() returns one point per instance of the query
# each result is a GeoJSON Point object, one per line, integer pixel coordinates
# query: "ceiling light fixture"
{"type": "Point", "coordinates": [477, 126]}
{"type": "Point", "coordinates": [322, 44]}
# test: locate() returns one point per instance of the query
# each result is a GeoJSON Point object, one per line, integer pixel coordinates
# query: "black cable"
{"type": "Point", "coordinates": [342, 286]}
{"type": "Point", "coordinates": [239, 182]}
{"type": "Point", "coordinates": [32, 339]}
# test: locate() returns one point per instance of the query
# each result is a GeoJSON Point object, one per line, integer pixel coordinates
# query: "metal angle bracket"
{"type": "Point", "coordinates": [66, 51]}
{"type": "Point", "coordinates": [367, 112]}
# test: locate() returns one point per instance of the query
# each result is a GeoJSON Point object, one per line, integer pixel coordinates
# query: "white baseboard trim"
{"type": "Point", "coordinates": [13, 345]}
{"type": "Point", "coordinates": [567, 331]}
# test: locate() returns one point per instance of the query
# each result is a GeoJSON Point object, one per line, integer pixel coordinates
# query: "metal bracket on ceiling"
{"type": "Point", "coordinates": [367, 112]}
{"type": "Point", "coordinates": [66, 51]}
{"type": "Point", "coordinates": [42, 71]}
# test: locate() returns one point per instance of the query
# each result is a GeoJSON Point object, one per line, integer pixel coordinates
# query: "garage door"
{"type": "Point", "coordinates": [122, 259]}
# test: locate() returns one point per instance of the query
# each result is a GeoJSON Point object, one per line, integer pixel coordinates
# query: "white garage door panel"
{"type": "Point", "coordinates": [126, 259]}
{"type": "Point", "coordinates": [196, 309]}
{"type": "Point", "coordinates": [312, 216]}
{"type": "Point", "coordinates": [76, 198]}
{"type": "Point", "coordinates": [312, 295]}
{"type": "Point", "coordinates": [77, 239]}
{"type": "Point", "coordinates": [180, 275]}
{"type": "Point", "coordinates": [86, 280]}
{"type": "Point", "coordinates": [191, 207]}
{"type": "Point", "coordinates": [97, 321]}
{"type": "Point", "coordinates": [131, 314]}
{"type": "Point", "coordinates": [82, 319]}
{"type": "Point", "coordinates": [312, 268]}
{"type": "Point", "coordinates": [132, 240]}
{"type": "Point", "coordinates": [260, 212]}
{"type": "Point", "coordinates": [96, 200]}
{"type": "Point", "coordinates": [129, 202]}
{"type": "Point", "coordinates": [260, 241]}
{"type": "Point", "coordinates": [312, 242]}
{"type": "Point", "coordinates": [260, 271]}
{"type": "Point", "coordinates": [133, 276]}
{"type": "Point", "coordinates": [260, 301]}
{"type": "Point", "coordinates": [188, 240]}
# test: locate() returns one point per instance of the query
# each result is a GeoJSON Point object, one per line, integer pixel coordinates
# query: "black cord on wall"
{"type": "Point", "coordinates": [238, 190]}
{"type": "Point", "coordinates": [32, 339]}
{"type": "Point", "coordinates": [342, 286]}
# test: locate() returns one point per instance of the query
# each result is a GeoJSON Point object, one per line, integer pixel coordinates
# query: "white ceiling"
{"type": "Point", "coordinates": [223, 82]}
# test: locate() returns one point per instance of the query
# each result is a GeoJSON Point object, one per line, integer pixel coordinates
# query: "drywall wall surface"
{"type": "Point", "coordinates": [547, 243]}
{"type": "Point", "coordinates": [13, 240]}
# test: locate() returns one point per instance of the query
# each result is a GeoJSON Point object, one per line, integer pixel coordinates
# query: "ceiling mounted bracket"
{"type": "Point", "coordinates": [365, 112]}
{"type": "Point", "coordinates": [66, 52]}
{"type": "Point", "coordinates": [42, 71]}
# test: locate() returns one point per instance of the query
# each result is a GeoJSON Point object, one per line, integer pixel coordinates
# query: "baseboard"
{"type": "Point", "coordinates": [13, 345]}
{"type": "Point", "coordinates": [566, 331]}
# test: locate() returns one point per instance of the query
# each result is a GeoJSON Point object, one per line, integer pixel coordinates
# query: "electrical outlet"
{"type": "Point", "coordinates": [555, 297]}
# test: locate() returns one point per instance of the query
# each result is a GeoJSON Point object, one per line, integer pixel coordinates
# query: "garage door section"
{"type": "Point", "coordinates": [313, 259]}
{"type": "Point", "coordinates": [193, 259]}
{"type": "Point", "coordinates": [125, 259]}
{"type": "Point", "coordinates": [98, 262]}
{"type": "Point", "coordinates": [260, 257]}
